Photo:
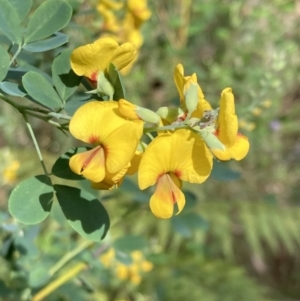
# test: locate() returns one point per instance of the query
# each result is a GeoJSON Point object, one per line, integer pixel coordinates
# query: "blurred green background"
{"type": "Point", "coordinates": [238, 237]}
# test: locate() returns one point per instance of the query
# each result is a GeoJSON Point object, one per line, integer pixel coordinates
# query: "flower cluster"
{"type": "Point", "coordinates": [128, 28]}
{"type": "Point", "coordinates": [187, 137]}
{"type": "Point", "coordinates": [133, 271]}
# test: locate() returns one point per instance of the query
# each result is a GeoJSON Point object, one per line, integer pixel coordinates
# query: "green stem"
{"type": "Point", "coordinates": [84, 245]}
{"type": "Point", "coordinates": [15, 55]}
{"type": "Point", "coordinates": [170, 127]}
{"type": "Point", "coordinates": [35, 143]}
{"type": "Point", "coordinates": [59, 116]}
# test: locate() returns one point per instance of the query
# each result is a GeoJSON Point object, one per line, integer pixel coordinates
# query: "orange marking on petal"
{"type": "Point", "coordinates": [90, 158]}
{"type": "Point", "coordinates": [93, 139]}
{"type": "Point", "coordinates": [177, 173]}
{"type": "Point", "coordinates": [94, 76]}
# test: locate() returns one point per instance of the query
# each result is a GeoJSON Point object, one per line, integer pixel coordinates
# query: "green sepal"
{"type": "Point", "coordinates": [210, 139]}
{"type": "Point", "coordinates": [114, 77]}
{"type": "Point", "coordinates": [191, 98]}
{"type": "Point", "coordinates": [170, 114]}
{"type": "Point", "coordinates": [104, 86]}
{"type": "Point", "coordinates": [147, 115]}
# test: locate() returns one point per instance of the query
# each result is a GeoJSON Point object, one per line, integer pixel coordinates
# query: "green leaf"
{"type": "Point", "coordinates": [115, 79]}
{"type": "Point", "coordinates": [12, 89]}
{"type": "Point", "coordinates": [48, 44]}
{"type": "Point", "coordinates": [22, 7]}
{"type": "Point", "coordinates": [76, 101]}
{"type": "Point", "coordinates": [130, 243]}
{"type": "Point", "coordinates": [61, 167]}
{"type": "Point", "coordinates": [4, 63]}
{"type": "Point", "coordinates": [50, 16]}
{"type": "Point", "coordinates": [84, 212]}
{"type": "Point", "coordinates": [30, 202]}
{"type": "Point", "coordinates": [222, 172]}
{"type": "Point", "coordinates": [10, 22]}
{"type": "Point", "coordinates": [64, 78]}
{"type": "Point", "coordinates": [40, 90]}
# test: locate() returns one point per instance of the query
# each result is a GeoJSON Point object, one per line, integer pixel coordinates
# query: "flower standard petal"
{"type": "Point", "coordinates": [124, 55]}
{"type": "Point", "coordinates": [155, 161]}
{"type": "Point", "coordinates": [89, 59]}
{"type": "Point", "coordinates": [94, 121]}
{"type": "Point", "coordinates": [90, 164]}
{"type": "Point", "coordinates": [190, 159]}
{"type": "Point", "coordinates": [121, 144]}
{"type": "Point", "coordinates": [111, 180]}
{"type": "Point", "coordinates": [240, 148]}
{"type": "Point", "coordinates": [227, 123]}
{"type": "Point", "coordinates": [166, 195]}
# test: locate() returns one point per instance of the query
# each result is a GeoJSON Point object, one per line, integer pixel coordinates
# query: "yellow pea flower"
{"type": "Point", "coordinates": [236, 145]}
{"type": "Point", "coordinates": [139, 10]}
{"type": "Point", "coordinates": [182, 83]}
{"type": "Point", "coordinates": [113, 5]}
{"type": "Point", "coordinates": [168, 160]}
{"type": "Point", "coordinates": [91, 59]}
{"type": "Point", "coordinates": [110, 21]}
{"type": "Point", "coordinates": [114, 138]}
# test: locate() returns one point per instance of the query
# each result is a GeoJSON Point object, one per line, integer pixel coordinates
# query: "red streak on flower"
{"type": "Point", "coordinates": [94, 76]}
{"type": "Point", "coordinates": [90, 158]}
{"type": "Point", "coordinates": [178, 173]}
{"type": "Point", "coordinates": [93, 139]}
{"type": "Point", "coordinates": [173, 198]}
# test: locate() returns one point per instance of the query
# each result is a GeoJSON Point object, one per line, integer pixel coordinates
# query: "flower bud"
{"type": "Point", "coordinates": [135, 112]}
{"type": "Point", "coordinates": [169, 114]}
{"type": "Point", "coordinates": [191, 96]}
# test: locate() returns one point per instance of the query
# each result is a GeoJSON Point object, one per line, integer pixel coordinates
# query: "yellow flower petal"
{"type": "Point", "coordinates": [135, 163]}
{"type": "Point", "coordinates": [140, 11]}
{"type": "Point", "coordinates": [90, 59]}
{"type": "Point", "coordinates": [96, 120]}
{"type": "Point", "coordinates": [110, 21]}
{"type": "Point", "coordinates": [127, 109]}
{"type": "Point", "coordinates": [120, 145]}
{"type": "Point", "coordinates": [182, 153]}
{"type": "Point", "coordinates": [240, 148]}
{"type": "Point", "coordinates": [112, 4]}
{"type": "Point", "coordinates": [227, 124]}
{"type": "Point", "coordinates": [181, 81]}
{"type": "Point", "coordinates": [191, 158]}
{"type": "Point", "coordinates": [90, 164]}
{"type": "Point", "coordinates": [166, 195]}
{"type": "Point", "coordinates": [111, 180]}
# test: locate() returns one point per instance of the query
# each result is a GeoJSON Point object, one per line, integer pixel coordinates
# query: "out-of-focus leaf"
{"type": "Point", "coordinates": [185, 223]}
{"type": "Point", "coordinates": [50, 16]}
{"type": "Point", "coordinates": [84, 212]}
{"type": "Point", "coordinates": [132, 188]}
{"type": "Point", "coordinates": [30, 202]}
{"type": "Point", "coordinates": [12, 89]}
{"type": "Point", "coordinates": [130, 243]}
{"type": "Point", "coordinates": [48, 44]}
{"type": "Point", "coordinates": [22, 7]}
{"type": "Point", "coordinates": [61, 167]}
{"type": "Point", "coordinates": [40, 90]}
{"type": "Point", "coordinates": [4, 63]}
{"type": "Point", "coordinates": [116, 80]}
{"type": "Point", "coordinates": [10, 22]}
{"type": "Point", "coordinates": [64, 78]}
{"type": "Point", "coordinates": [222, 172]}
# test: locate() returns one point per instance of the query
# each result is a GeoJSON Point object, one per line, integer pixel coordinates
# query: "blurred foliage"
{"type": "Point", "coordinates": [238, 237]}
